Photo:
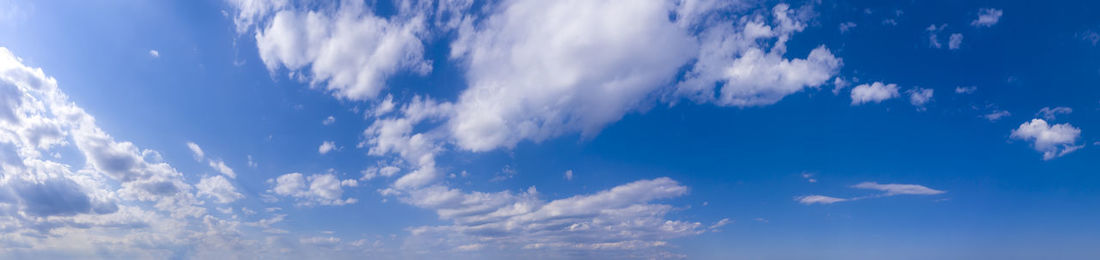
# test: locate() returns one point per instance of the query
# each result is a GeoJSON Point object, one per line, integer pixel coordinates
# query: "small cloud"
{"type": "Point", "coordinates": [987, 17]}
{"type": "Point", "coordinates": [898, 189]}
{"type": "Point", "coordinates": [329, 120]}
{"type": "Point", "coordinates": [720, 223]}
{"type": "Point", "coordinates": [1090, 37]}
{"type": "Point", "coordinates": [965, 90]}
{"type": "Point", "coordinates": [919, 97]}
{"type": "Point", "coordinates": [154, 53]}
{"type": "Point", "coordinates": [845, 27]}
{"type": "Point", "coordinates": [933, 35]}
{"type": "Point", "coordinates": [196, 151]}
{"type": "Point", "coordinates": [569, 175]}
{"type": "Point", "coordinates": [955, 41]}
{"type": "Point", "coordinates": [222, 168]}
{"type": "Point", "coordinates": [996, 115]}
{"type": "Point", "coordinates": [875, 92]}
{"type": "Point", "coordinates": [1049, 113]}
{"type": "Point", "coordinates": [326, 146]}
{"type": "Point", "coordinates": [809, 177]}
{"type": "Point", "coordinates": [251, 163]}
{"type": "Point", "coordinates": [1052, 140]}
{"type": "Point", "coordinates": [818, 199]}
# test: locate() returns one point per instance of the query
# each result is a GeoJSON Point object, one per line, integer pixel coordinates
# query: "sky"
{"type": "Point", "coordinates": [573, 129]}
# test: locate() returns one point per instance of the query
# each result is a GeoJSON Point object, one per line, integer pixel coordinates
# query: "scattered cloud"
{"type": "Point", "coordinates": [846, 26]}
{"type": "Point", "coordinates": [987, 17]}
{"type": "Point", "coordinates": [1052, 140]}
{"type": "Point", "coordinates": [933, 35]}
{"type": "Point", "coordinates": [919, 97]}
{"type": "Point", "coordinates": [219, 188]}
{"type": "Point", "coordinates": [154, 53]}
{"type": "Point", "coordinates": [1050, 113]}
{"type": "Point", "coordinates": [891, 189]}
{"type": "Point", "coordinates": [818, 199]}
{"type": "Point", "coordinates": [196, 151]}
{"type": "Point", "coordinates": [318, 189]}
{"type": "Point", "coordinates": [955, 41]}
{"type": "Point", "coordinates": [996, 115]}
{"type": "Point", "coordinates": [875, 92]}
{"type": "Point", "coordinates": [329, 120]}
{"type": "Point", "coordinates": [965, 90]}
{"type": "Point", "coordinates": [809, 177]}
{"type": "Point", "coordinates": [222, 168]}
{"type": "Point", "coordinates": [569, 175]}
{"type": "Point", "coordinates": [326, 146]}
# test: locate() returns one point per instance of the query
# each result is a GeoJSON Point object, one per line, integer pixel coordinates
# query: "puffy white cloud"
{"type": "Point", "coordinates": [326, 146]}
{"type": "Point", "coordinates": [569, 175]}
{"type": "Point", "coordinates": [329, 120]}
{"type": "Point", "coordinates": [349, 50]}
{"type": "Point", "coordinates": [1050, 113]}
{"type": "Point", "coordinates": [613, 222]}
{"type": "Point", "coordinates": [875, 92]}
{"type": "Point", "coordinates": [749, 74]}
{"type": "Point", "coordinates": [920, 96]}
{"type": "Point", "coordinates": [219, 188]}
{"type": "Point", "coordinates": [154, 53]}
{"type": "Point", "coordinates": [1051, 140]}
{"type": "Point", "coordinates": [196, 151]}
{"type": "Point", "coordinates": [538, 69]}
{"type": "Point", "coordinates": [319, 189]}
{"type": "Point", "coordinates": [955, 41]}
{"type": "Point", "coordinates": [818, 199]}
{"type": "Point", "coordinates": [898, 189]}
{"type": "Point", "coordinates": [987, 17]}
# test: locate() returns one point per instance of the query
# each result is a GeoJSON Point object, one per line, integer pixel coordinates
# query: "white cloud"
{"type": "Point", "coordinates": [875, 92]}
{"type": "Point", "coordinates": [996, 115]}
{"type": "Point", "coordinates": [920, 96]}
{"type": "Point", "coordinates": [219, 188]}
{"type": "Point", "coordinates": [154, 53]}
{"type": "Point", "coordinates": [898, 189]}
{"type": "Point", "coordinates": [329, 120]}
{"type": "Point", "coordinates": [890, 189]}
{"type": "Point", "coordinates": [326, 146]}
{"type": "Point", "coordinates": [531, 77]}
{"type": "Point", "coordinates": [569, 175]}
{"type": "Point", "coordinates": [933, 35]}
{"type": "Point", "coordinates": [749, 74]}
{"type": "Point", "coordinates": [319, 189]}
{"type": "Point", "coordinates": [846, 26]}
{"type": "Point", "coordinates": [987, 17]}
{"type": "Point", "coordinates": [955, 41]}
{"type": "Point", "coordinates": [965, 90]}
{"type": "Point", "coordinates": [1051, 140]}
{"type": "Point", "coordinates": [818, 199]}
{"type": "Point", "coordinates": [219, 165]}
{"type": "Point", "coordinates": [613, 222]}
{"type": "Point", "coordinates": [196, 151]}
{"type": "Point", "coordinates": [1050, 113]}
{"type": "Point", "coordinates": [349, 50]}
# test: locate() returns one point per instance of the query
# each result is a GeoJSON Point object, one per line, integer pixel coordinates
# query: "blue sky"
{"type": "Point", "coordinates": [690, 129]}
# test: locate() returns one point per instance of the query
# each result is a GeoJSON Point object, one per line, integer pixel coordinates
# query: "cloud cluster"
{"type": "Point", "coordinates": [319, 189]}
{"type": "Point", "coordinates": [1052, 140]}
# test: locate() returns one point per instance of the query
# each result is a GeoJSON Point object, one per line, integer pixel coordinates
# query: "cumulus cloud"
{"type": "Point", "coordinates": [955, 41]}
{"type": "Point", "coordinates": [219, 188]}
{"type": "Point", "coordinates": [875, 92]}
{"type": "Point", "coordinates": [530, 78]}
{"type": "Point", "coordinates": [348, 50]}
{"type": "Point", "coordinates": [1050, 113]}
{"type": "Point", "coordinates": [920, 96]}
{"type": "Point", "coordinates": [749, 74]}
{"type": "Point", "coordinates": [326, 146]}
{"type": "Point", "coordinates": [1052, 140]}
{"type": "Point", "coordinates": [318, 189]}
{"type": "Point", "coordinates": [987, 17]}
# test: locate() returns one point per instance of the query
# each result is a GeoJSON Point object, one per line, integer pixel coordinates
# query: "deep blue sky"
{"type": "Point", "coordinates": [1000, 198]}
